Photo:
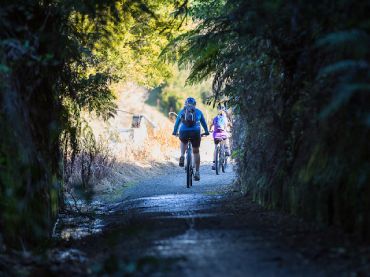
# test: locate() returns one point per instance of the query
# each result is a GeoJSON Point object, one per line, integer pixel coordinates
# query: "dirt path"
{"type": "Point", "coordinates": [161, 228]}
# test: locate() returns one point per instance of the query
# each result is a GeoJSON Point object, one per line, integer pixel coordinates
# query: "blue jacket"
{"type": "Point", "coordinates": [199, 121]}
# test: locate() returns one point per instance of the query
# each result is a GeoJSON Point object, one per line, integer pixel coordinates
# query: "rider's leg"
{"type": "Point", "coordinates": [214, 153]}
{"type": "Point", "coordinates": [214, 158]}
{"type": "Point", "coordinates": [195, 141]}
{"type": "Point", "coordinates": [183, 148]}
{"type": "Point", "coordinates": [227, 147]}
{"type": "Point", "coordinates": [196, 156]}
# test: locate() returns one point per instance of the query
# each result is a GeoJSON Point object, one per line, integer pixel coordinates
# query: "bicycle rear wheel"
{"type": "Point", "coordinates": [221, 162]}
{"type": "Point", "coordinates": [223, 158]}
{"type": "Point", "coordinates": [191, 175]}
{"type": "Point", "coordinates": [217, 161]}
{"type": "Point", "coordinates": [189, 169]}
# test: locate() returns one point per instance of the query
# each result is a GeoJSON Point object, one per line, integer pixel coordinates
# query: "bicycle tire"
{"type": "Point", "coordinates": [217, 159]}
{"type": "Point", "coordinates": [223, 157]}
{"type": "Point", "coordinates": [220, 161]}
{"type": "Point", "coordinates": [191, 175]}
{"type": "Point", "coordinates": [188, 178]}
{"type": "Point", "coordinates": [191, 164]}
{"type": "Point", "coordinates": [188, 169]}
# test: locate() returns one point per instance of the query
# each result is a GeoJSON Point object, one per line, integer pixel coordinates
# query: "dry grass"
{"type": "Point", "coordinates": [91, 165]}
{"type": "Point", "coordinates": [165, 138]}
{"type": "Point", "coordinates": [106, 167]}
{"type": "Point", "coordinates": [158, 147]}
{"type": "Point", "coordinates": [122, 159]}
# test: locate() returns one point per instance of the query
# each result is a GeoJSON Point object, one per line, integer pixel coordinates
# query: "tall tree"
{"type": "Point", "coordinates": [56, 59]}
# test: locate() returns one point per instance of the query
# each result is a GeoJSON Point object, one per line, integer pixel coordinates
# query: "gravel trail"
{"type": "Point", "coordinates": [161, 228]}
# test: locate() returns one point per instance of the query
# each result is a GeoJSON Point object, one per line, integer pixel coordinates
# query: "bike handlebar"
{"type": "Point", "coordinates": [170, 113]}
{"type": "Point", "coordinates": [202, 135]}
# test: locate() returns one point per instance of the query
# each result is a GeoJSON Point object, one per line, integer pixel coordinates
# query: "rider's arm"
{"type": "Point", "coordinates": [229, 121]}
{"type": "Point", "coordinates": [177, 123]}
{"type": "Point", "coordinates": [229, 125]}
{"type": "Point", "coordinates": [211, 126]}
{"type": "Point", "coordinates": [204, 123]}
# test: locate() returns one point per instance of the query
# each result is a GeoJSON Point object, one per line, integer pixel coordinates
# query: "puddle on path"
{"type": "Point", "coordinates": [170, 203]}
{"type": "Point", "coordinates": [84, 220]}
{"type": "Point", "coordinates": [77, 225]}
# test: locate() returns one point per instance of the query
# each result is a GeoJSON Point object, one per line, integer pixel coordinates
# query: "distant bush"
{"type": "Point", "coordinates": [172, 95]}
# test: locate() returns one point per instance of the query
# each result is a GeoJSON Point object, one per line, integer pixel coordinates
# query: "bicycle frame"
{"type": "Point", "coordinates": [221, 159]}
{"type": "Point", "coordinates": [189, 165]}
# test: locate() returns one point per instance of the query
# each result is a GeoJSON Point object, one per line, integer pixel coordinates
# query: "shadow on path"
{"type": "Point", "coordinates": [161, 228]}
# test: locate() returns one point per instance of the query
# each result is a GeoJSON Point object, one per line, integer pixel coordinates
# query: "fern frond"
{"type": "Point", "coordinates": [344, 65]}
{"type": "Point", "coordinates": [342, 95]}
{"type": "Point", "coordinates": [343, 37]}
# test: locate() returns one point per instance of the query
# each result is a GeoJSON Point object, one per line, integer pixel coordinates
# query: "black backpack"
{"type": "Point", "coordinates": [188, 116]}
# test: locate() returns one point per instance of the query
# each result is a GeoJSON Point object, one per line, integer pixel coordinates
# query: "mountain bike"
{"type": "Point", "coordinates": [221, 158]}
{"type": "Point", "coordinates": [189, 164]}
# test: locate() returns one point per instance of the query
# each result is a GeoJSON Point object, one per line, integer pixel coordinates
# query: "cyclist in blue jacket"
{"type": "Point", "coordinates": [188, 121]}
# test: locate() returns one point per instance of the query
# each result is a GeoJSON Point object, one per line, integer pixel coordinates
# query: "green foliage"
{"type": "Point", "coordinates": [173, 93]}
{"type": "Point", "coordinates": [297, 74]}
{"type": "Point", "coordinates": [57, 59]}
{"type": "Point", "coordinates": [130, 51]}
{"type": "Point", "coordinates": [351, 67]}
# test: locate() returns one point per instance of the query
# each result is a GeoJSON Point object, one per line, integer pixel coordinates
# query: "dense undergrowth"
{"type": "Point", "coordinates": [297, 74]}
{"type": "Point", "coordinates": [58, 59]}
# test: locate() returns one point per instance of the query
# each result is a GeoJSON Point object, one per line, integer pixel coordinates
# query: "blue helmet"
{"type": "Point", "coordinates": [190, 101]}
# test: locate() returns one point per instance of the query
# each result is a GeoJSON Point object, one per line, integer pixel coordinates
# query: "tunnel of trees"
{"type": "Point", "coordinates": [296, 74]}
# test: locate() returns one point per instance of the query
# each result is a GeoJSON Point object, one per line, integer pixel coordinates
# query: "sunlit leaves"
{"type": "Point", "coordinates": [58, 59]}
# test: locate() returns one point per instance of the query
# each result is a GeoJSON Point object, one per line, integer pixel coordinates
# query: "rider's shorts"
{"type": "Point", "coordinates": [218, 140]}
{"type": "Point", "coordinates": [193, 135]}
{"type": "Point", "coordinates": [219, 136]}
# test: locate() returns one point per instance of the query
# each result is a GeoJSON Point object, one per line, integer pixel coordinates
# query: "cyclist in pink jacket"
{"type": "Point", "coordinates": [220, 124]}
